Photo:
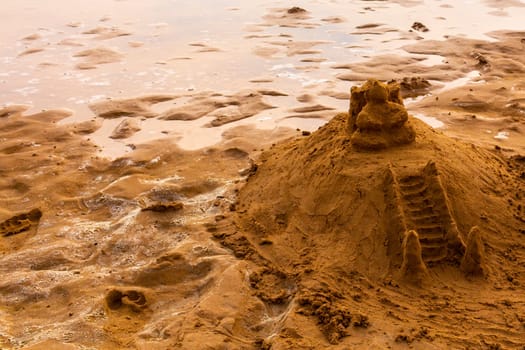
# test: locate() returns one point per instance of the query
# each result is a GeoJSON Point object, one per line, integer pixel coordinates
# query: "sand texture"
{"type": "Point", "coordinates": [320, 175]}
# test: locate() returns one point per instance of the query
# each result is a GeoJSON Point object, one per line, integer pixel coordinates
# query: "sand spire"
{"type": "Point", "coordinates": [473, 260]}
{"type": "Point", "coordinates": [413, 268]}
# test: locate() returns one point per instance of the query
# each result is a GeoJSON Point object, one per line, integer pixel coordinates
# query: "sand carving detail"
{"type": "Point", "coordinates": [422, 228]}
{"type": "Point", "coordinates": [421, 204]}
{"type": "Point", "coordinates": [377, 117]}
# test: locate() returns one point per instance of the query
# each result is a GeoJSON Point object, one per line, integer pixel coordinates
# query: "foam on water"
{"type": "Point", "coordinates": [502, 135]}
{"type": "Point", "coordinates": [433, 122]}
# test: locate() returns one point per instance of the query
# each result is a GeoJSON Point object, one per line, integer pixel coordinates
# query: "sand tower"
{"type": "Point", "coordinates": [377, 117]}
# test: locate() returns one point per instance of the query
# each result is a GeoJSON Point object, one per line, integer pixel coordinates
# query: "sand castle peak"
{"type": "Point", "coordinates": [377, 92]}
{"type": "Point", "coordinates": [377, 117]}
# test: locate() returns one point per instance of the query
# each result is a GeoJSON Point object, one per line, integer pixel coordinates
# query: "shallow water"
{"type": "Point", "coordinates": [182, 47]}
{"type": "Point", "coordinates": [433, 122]}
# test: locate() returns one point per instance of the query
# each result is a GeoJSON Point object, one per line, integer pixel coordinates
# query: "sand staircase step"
{"type": "Point", "coordinates": [430, 229]}
{"type": "Point", "coordinates": [438, 243]}
{"type": "Point", "coordinates": [411, 179]}
{"type": "Point", "coordinates": [421, 221]}
{"type": "Point", "coordinates": [433, 250]}
{"type": "Point", "coordinates": [421, 211]}
{"type": "Point", "coordinates": [432, 241]}
{"type": "Point", "coordinates": [415, 202]}
{"type": "Point", "coordinates": [433, 255]}
{"type": "Point", "coordinates": [420, 192]}
{"type": "Point", "coordinates": [411, 186]}
{"type": "Point", "coordinates": [418, 204]}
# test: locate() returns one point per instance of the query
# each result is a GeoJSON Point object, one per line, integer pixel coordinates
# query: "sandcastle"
{"type": "Point", "coordinates": [372, 198]}
{"type": "Point", "coordinates": [420, 224]}
{"type": "Point", "coordinates": [377, 117]}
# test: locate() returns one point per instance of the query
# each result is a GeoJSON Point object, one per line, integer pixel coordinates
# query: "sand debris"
{"type": "Point", "coordinates": [164, 207]}
{"type": "Point", "coordinates": [105, 33]}
{"type": "Point", "coordinates": [20, 223]}
{"type": "Point", "coordinates": [420, 27]}
{"type": "Point", "coordinates": [131, 107]}
{"type": "Point", "coordinates": [134, 299]}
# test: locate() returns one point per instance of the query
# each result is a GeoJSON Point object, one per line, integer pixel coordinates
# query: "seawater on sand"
{"type": "Point", "coordinates": [175, 55]}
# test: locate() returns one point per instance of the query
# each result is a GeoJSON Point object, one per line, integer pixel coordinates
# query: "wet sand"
{"type": "Point", "coordinates": [136, 133]}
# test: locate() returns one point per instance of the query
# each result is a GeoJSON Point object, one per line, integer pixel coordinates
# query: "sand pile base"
{"type": "Point", "coordinates": [325, 223]}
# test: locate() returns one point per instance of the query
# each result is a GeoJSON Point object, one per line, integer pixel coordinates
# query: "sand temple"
{"type": "Point", "coordinates": [377, 117]}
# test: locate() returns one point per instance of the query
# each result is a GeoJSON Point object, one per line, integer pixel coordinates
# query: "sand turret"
{"type": "Point", "coordinates": [377, 117]}
{"type": "Point", "coordinates": [413, 269]}
{"type": "Point", "coordinates": [473, 260]}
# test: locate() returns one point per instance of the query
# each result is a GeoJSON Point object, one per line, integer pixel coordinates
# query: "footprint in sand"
{"type": "Point", "coordinates": [132, 299]}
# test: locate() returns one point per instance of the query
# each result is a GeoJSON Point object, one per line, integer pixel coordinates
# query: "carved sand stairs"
{"type": "Point", "coordinates": [419, 202]}
{"type": "Point", "coordinates": [420, 207]}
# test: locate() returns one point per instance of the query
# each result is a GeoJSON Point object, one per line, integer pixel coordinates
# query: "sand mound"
{"type": "Point", "coordinates": [223, 108]}
{"type": "Point", "coordinates": [31, 51]}
{"type": "Point", "coordinates": [12, 110]}
{"type": "Point", "coordinates": [125, 129]}
{"type": "Point", "coordinates": [347, 234]}
{"type": "Point", "coordinates": [94, 57]}
{"type": "Point", "coordinates": [294, 17]}
{"type": "Point", "coordinates": [132, 107]}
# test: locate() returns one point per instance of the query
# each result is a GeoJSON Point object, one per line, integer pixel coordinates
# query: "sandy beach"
{"type": "Point", "coordinates": [225, 175]}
